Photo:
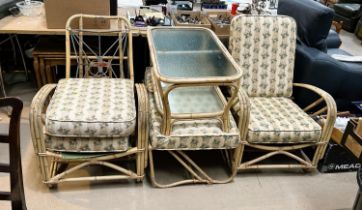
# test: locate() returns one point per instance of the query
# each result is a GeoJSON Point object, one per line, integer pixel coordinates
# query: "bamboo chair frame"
{"type": "Point", "coordinates": [304, 162]}
{"type": "Point", "coordinates": [199, 176]}
{"type": "Point", "coordinates": [118, 25]}
{"type": "Point", "coordinates": [51, 162]}
{"type": "Point", "coordinates": [161, 94]}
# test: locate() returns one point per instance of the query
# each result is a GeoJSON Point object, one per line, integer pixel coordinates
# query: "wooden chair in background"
{"type": "Point", "coordinates": [16, 194]}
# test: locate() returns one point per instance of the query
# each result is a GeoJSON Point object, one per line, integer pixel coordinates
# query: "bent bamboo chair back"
{"type": "Point", "coordinates": [101, 45]}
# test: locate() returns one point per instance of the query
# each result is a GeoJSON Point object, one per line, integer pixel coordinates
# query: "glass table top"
{"type": "Point", "coordinates": [189, 53]}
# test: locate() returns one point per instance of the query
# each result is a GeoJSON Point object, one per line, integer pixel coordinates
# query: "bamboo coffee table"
{"type": "Point", "coordinates": [191, 64]}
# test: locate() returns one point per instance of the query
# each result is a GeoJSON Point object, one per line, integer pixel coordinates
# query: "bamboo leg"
{"type": "Point", "coordinates": [203, 173]}
{"type": "Point", "coordinates": [237, 158]}
{"type": "Point", "coordinates": [153, 177]}
{"type": "Point", "coordinates": [200, 176]}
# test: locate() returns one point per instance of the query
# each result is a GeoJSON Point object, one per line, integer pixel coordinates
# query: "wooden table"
{"type": "Point", "coordinates": [37, 25]}
{"type": "Point", "coordinates": [27, 25]}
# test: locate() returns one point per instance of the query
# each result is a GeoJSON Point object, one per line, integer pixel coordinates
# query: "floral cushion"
{"type": "Point", "coordinates": [264, 47]}
{"type": "Point", "coordinates": [148, 79]}
{"type": "Point", "coordinates": [92, 108]}
{"type": "Point", "coordinates": [191, 135]}
{"type": "Point", "coordinates": [280, 120]}
{"type": "Point", "coordinates": [189, 99]}
{"type": "Point", "coordinates": [69, 144]}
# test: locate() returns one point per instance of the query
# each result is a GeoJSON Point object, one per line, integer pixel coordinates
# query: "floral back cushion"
{"type": "Point", "coordinates": [264, 47]}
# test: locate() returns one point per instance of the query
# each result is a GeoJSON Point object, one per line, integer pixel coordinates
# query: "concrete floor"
{"type": "Point", "coordinates": [271, 189]}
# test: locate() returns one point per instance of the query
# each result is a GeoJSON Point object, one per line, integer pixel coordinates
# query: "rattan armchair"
{"type": "Point", "coordinates": [264, 48]}
{"type": "Point", "coordinates": [99, 117]}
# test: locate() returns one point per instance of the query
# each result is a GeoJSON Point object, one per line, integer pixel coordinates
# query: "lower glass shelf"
{"type": "Point", "coordinates": [195, 100]}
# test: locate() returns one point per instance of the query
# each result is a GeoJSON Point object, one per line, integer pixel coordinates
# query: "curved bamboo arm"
{"type": "Point", "coordinates": [142, 127]}
{"type": "Point", "coordinates": [37, 111]}
{"type": "Point", "coordinates": [330, 108]}
{"type": "Point", "coordinates": [242, 107]}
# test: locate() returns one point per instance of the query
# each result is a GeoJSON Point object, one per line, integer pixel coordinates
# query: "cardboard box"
{"type": "Point", "coordinates": [344, 153]}
{"type": "Point", "coordinates": [204, 21]}
{"type": "Point", "coordinates": [58, 11]}
{"type": "Point", "coordinates": [338, 159]}
{"type": "Point", "coordinates": [352, 140]}
{"type": "Point", "coordinates": [359, 128]}
{"type": "Point", "coordinates": [219, 29]}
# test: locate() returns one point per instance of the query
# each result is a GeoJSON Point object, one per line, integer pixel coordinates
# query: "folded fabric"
{"type": "Point", "coordinates": [347, 58]}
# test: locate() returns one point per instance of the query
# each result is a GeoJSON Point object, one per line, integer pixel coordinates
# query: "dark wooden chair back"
{"type": "Point", "coordinates": [16, 194]}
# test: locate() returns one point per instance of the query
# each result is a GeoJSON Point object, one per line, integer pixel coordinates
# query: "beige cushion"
{"type": "Point", "coordinates": [148, 79]}
{"type": "Point", "coordinates": [92, 108]}
{"type": "Point", "coordinates": [264, 47]}
{"type": "Point", "coordinates": [86, 145]}
{"type": "Point", "coordinates": [191, 135]}
{"type": "Point", "coordinates": [280, 120]}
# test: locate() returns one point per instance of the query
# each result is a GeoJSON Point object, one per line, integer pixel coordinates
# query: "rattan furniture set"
{"type": "Point", "coordinates": [197, 96]}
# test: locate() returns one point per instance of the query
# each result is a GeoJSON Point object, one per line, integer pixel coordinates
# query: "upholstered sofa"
{"type": "Point", "coordinates": [314, 64]}
{"type": "Point", "coordinates": [348, 11]}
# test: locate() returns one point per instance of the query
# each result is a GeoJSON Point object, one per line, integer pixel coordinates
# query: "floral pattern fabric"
{"type": "Point", "coordinates": [92, 108]}
{"type": "Point", "coordinates": [191, 135]}
{"type": "Point", "coordinates": [264, 47]}
{"type": "Point", "coordinates": [86, 145]}
{"type": "Point", "coordinates": [280, 120]}
{"type": "Point", "coordinates": [148, 79]}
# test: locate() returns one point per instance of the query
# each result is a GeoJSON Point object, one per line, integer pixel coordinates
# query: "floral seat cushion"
{"type": "Point", "coordinates": [191, 135]}
{"type": "Point", "coordinates": [92, 108]}
{"type": "Point", "coordinates": [86, 145]}
{"type": "Point", "coordinates": [280, 120]}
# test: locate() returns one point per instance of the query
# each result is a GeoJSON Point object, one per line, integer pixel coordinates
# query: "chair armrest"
{"type": "Point", "coordinates": [37, 116]}
{"type": "Point", "coordinates": [330, 108]}
{"type": "Point", "coordinates": [142, 131]}
{"type": "Point", "coordinates": [242, 107]}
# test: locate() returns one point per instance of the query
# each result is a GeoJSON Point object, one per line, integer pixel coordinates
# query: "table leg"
{"type": "Point", "coordinates": [36, 71]}
{"type": "Point", "coordinates": [48, 72]}
{"type": "Point", "coordinates": [42, 71]}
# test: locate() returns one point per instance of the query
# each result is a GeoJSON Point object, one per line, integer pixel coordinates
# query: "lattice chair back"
{"type": "Point", "coordinates": [101, 45]}
{"type": "Point", "coordinates": [264, 47]}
